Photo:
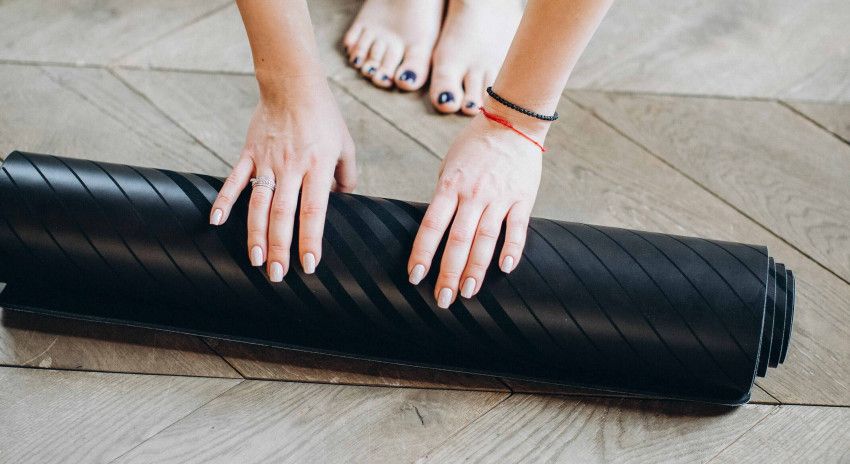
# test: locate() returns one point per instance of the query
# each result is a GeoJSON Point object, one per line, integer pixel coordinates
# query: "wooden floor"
{"type": "Point", "coordinates": [727, 119]}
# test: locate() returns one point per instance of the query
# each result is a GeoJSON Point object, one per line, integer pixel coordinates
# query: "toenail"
{"type": "Point", "coordinates": [471, 105]}
{"type": "Point", "coordinates": [408, 76]}
{"type": "Point", "coordinates": [371, 70]}
{"type": "Point", "coordinates": [356, 60]}
{"type": "Point", "coordinates": [445, 97]}
{"type": "Point", "coordinates": [385, 77]}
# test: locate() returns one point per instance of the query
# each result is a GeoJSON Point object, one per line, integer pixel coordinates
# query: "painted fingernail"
{"type": "Point", "coordinates": [445, 298]}
{"type": "Point", "coordinates": [216, 217]}
{"type": "Point", "coordinates": [417, 274]}
{"type": "Point", "coordinates": [371, 70]}
{"type": "Point", "coordinates": [445, 97]}
{"type": "Point", "coordinates": [276, 272]}
{"type": "Point", "coordinates": [507, 264]}
{"type": "Point", "coordinates": [468, 287]}
{"type": "Point", "coordinates": [471, 105]}
{"type": "Point", "coordinates": [256, 256]}
{"type": "Point", "coordinates": [408, 76]}
{"type": "Point", "coordinates": [308, 262]}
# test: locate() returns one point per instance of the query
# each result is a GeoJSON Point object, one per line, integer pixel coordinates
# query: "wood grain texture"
{"type": "Point", "coordinates": [260, 362]}
{"type": "Point", "coordinates": [80, 112]}
{"type": "Point", "coordinates": [51, 342]}
{"type": "Point", "coordinates": [85, 417]}
{"type": "Point", "coordinates": [728, 47]}
{"type": "Point", "coordinates": [595, 175]}
{"type": "Point", "coordinates": [765, 160]}
{"type": "Point", "coordinates": [218, 42]}
{"type": "Point", "coordinates": [794, 434]}
{"type": "Point", "coordinates": [217, 109]}
{"type": "Point", "coordinates": [528, 428]}
{"type": "Point", "coordinates": [833, 117]}
{"type": "Point", "coordinates": [89, 31]}
{"type": "Point", "coordinates": [259, 422]}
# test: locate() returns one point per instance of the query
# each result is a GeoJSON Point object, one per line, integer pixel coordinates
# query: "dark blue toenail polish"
{"type": "Point", "coordinates": [445, 97]}
{"type": "Point", "coordinates": [356, 60]}
{"type": "Point", "coordinates": [385, 77]}
{"type": "Point", "coordinates": [408, 76]}
{"type": "Point", "coordinates": [471, 105]}
{"type": "Point", "coordinates": [371, 70]}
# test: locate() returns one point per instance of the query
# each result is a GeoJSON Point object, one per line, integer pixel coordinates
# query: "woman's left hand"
{"type": "Point", "coordinates": [490, 175]}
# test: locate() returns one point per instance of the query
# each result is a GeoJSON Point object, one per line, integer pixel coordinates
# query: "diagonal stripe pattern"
{"type": "Point", "coordinates": [589, 306]}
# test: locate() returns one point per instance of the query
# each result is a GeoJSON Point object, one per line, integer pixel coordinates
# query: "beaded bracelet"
{"type": "Point", "coordinates": [516, 107]}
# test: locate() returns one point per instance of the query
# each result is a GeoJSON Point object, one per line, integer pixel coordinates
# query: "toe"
{"type": "Point", "coordinates": [413, 70]}
{"type": "Point", "coordinates": [389, 64]}
{"type": "Point", "coordinates": [473, 87]}
{"type": "Point", "coordinates": [358, 54]}
{"type": "Point", "coordinates": [373, 60]}
{"type": "Point", "coordinates": [351, 36]}
{"type": "Point", "coordinates": [446, 90]}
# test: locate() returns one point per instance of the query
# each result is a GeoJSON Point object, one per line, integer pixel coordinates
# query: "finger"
{"type": "Point", "coordinates": [282, 220]}
{"type": "Point", "coordinates": [258, 219]}
{"type": "Point", "coordinates": [345, 175]}
{"type": "Point", "coordinates": [314, 206]}
{"type": "Point", "coordinates": [456, 254]}
{"type": "Point", "coordinates": [230, 191]}
{"type": "Point", "coordinates": [516, 228]}
{"type": "Point", "coordinates": [482, 249]}
{"type": "Point", "coordinates": [430, 233]}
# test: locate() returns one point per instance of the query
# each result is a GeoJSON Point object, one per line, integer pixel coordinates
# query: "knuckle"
{"type": "Point", "coordinates": [450, 275]}
{"type": "Point", "coordinates": [476, 269]}
{"type": "Point", "coordinates": [225, 198]}
{"type": "Point", "coordinates": [460, 236]}
{"type": "Point", "coordinates": [431, 225]}
{"type": "Point", "coordinates": [488, 232]}
{"type": "Point", "coordinates": [278, 249]}
{"type": "Point", "coordinates": [422, 255]}
{"type": "Point", "coordinates": [312, 210]}
{"type": "Point", "coordinates": [513, 243]}
{"type": "Point", "coordinates": [281, 209]}
{"type": "Point", "coordinates": [256, 231]}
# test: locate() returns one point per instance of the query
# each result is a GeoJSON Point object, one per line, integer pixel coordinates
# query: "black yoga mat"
{"type": "Point", "coordinates": [588, 306]}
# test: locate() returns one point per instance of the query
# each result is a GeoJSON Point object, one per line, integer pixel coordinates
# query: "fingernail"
{"type": "Point", "coordinates": [371, 70]}
{"type": "Point", "coordinates": [276, 272]}
{"type": "Point", "coordinates": [308, 262]}
{"type": "Point", "coordinates": [445, 298]}
{"type": "Point", "coordinates": [445, 97]}
{"type": "Point", "coordinates": [468, 287]}
{"type": "Point", "coordinates": [507, 264]}
{"type": "Point", "coordinates": [417, 274]}
{"type": "Point", "coordinates": [256, 256]}
{"type": "Point", "coordinates": [216, 217]}
{"type": "Point", "coordinates": [471, 105]}
{"type": "Point", "coordinates": [408, 76]}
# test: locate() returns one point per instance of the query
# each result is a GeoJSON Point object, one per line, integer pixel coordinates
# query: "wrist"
{"type": "Point", "coordinates": [531, 126]}
{"type": "Point", "coordinates": [280, 91]}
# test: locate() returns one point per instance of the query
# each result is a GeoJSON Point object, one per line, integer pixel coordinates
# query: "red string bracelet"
{"type": "Point", "coordinates": [506, 123]}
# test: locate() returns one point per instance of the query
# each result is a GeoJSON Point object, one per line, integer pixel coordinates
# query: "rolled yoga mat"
{"type": "Point", "coordinates": [588, 306]}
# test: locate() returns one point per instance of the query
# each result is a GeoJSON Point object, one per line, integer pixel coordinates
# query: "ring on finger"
{"type": "Point", "coordinates": [263, 181]}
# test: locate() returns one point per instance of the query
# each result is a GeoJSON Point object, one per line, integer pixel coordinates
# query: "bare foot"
{"type": "Point", "coordinates": [473, 43]}
{"type": "Point", "coordinates": [391, 41]}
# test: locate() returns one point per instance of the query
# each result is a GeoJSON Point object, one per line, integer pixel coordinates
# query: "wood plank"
{"type": "Point", "coordinates": [217, 109]}
{"type": "Point", "coordinates": [794, 434]}
{"type": "Point", "coordinates": [218, 42]}
{"type": "Point", "coordinates": [86, 31]}
{"type": "Point", "coordinates": [728, 47]}
{"type": "Point", "coordinates": [51, 342]}
{"type": "Point", "coordinates": [82, 417]}
{"type": "Point", "coordinates": [767, 161]}
{"type": "Point", "coordinates": [258, 362]}
{"type": "Point", "coordinates": [592, 174]}
{"type": "Point", "coordinates": [258, 422]}
{"type": "Point", "coordinates": [527, 428]}
{"type": "Point", "coordinates": [89, 113]}
{"type": "Point", "coordinates": [833, 117]}
{"type": "Point", "coordinates": [828, 83]}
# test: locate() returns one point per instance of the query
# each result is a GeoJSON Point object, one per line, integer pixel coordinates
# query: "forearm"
{"type": "Point", "coordinates": [282, 43]}
{"type": "Point", "coordinates": [550, 39]}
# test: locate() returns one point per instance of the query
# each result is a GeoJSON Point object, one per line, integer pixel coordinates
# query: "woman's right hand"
{"type": "Point", "coordinates": [297, 137]}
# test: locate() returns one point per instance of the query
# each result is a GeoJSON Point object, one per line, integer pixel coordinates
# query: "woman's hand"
{"type": "Point", "coordinates": [298, 138]}
{"type": "Point", "coordinates": [490, 175]}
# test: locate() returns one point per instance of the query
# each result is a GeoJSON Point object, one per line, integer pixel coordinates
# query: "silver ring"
{"type": "Point", "coordinates": [263, 181]}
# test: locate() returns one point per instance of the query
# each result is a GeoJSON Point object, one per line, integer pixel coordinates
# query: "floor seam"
{"type": "Point", "coordinates": [703, 187]}
{"type": "Point", "coordinates": [226, 361]}
{"type": "Point", "coordinates": [790, 106]}
{"type": "Point", "coordinates": [240, 382]}
{"type": "Point", "coordinates": [770, 413]}
{"type": "Point", "coordinates": [106, 371]}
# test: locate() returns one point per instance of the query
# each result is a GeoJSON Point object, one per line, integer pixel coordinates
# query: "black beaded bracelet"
{"type": "Point", "coordinates": [516, 107]}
